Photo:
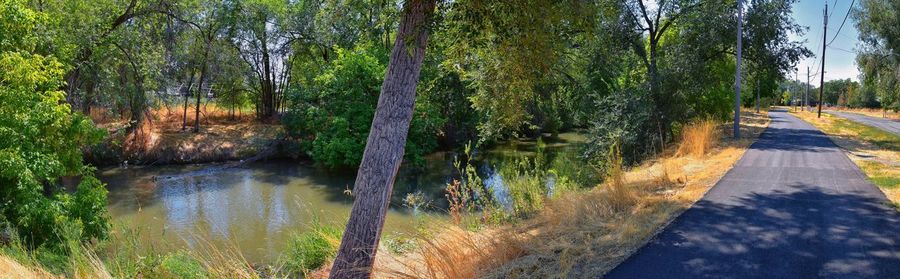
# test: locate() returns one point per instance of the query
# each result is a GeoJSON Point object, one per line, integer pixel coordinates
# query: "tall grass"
{"type": "Point", "coordinates": [125, 258]}
{"type": "Point", "coordinates": [453, 253]}
{"type": "Point", "coordinates": [620, 196]}
{"type": "Point", "coordinates": [698, 138]}
{"type": "Point", "coordinates": [311, 249]}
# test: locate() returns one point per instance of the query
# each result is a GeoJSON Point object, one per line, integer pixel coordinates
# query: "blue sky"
{"type": "Point", "coordinates": [839, 63]}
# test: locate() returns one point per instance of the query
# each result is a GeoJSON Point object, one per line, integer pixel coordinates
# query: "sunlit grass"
{"type": "Point", "coordinates": [698, 138]}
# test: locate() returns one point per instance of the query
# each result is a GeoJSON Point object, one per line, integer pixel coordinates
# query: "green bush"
{"type": "Point", "coordinates": [311, 249]}
{"type": "Point", "coordinates": [333, 116]}
{"type": "Point", "coordinates": [626, 119]}
{"type": "Point", "coordinates": [181, 265]}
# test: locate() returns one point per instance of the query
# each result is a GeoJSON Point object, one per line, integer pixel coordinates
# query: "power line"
{"type": "Point", "coordinates": [844, 50]}
{"type": "Point", "coordinates": [834, 5]}
{"type": "Point", "coordinates": [816, 56]}
{"type": "Point", "coordinates": [842, 22]}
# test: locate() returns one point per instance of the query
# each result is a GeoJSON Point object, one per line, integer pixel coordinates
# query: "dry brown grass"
{"type": "Point", "coordinates": [161, 138]}
{"type": "Point", "coordinates": [580, 234]}
{"type": "Point", "coordinates": [10, 268]}
{"type": "Point", "coordinates": [224, 262]}
{"type": "Point", "coordinates": [86, 265]}
{"type": "Point", "coordinates": [698, 138]}
{"type": "Point", "coordinates": [869, 112]}
{"type": "Point", "coordinates": [453, 253]}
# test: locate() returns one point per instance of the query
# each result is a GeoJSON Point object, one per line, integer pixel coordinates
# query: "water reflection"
{"type": "Point", "coordinates": [257, 207]}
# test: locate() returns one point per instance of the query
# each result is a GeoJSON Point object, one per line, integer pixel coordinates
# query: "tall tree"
{"type": "Point", "coordinates": [40, 140]}
{"type": "Point", "coordinates": [262, 40]}
{"type": "Point", "coordinates": [208, 18]}
{"type": "Point", "coordinates": [81, 29]}
{"type": "Point", "coordinates": [645, 28]}
{"type": "Point", "coordinates": [385, 145]}
{"type": "Point", "coordinates": [879, 59]}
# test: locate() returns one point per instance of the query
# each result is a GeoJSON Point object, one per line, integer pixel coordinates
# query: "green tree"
{"type": "Point", "coordinates": [40, 140]}
{"type": "Point", "coordinates": [879, 59]}
{"type": "Point", "coordinates": [261, 37]}
{"type": "Point", "coordinates": [335, 112]}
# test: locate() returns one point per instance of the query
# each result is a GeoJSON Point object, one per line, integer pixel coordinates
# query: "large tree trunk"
{"type": "Point", "coordinates": [267, 90]}
{"type": "Point", "coordinates": [385, 145]}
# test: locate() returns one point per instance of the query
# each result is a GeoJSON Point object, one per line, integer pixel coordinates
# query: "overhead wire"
{"type": "Point", "coordinates": [842, 22]}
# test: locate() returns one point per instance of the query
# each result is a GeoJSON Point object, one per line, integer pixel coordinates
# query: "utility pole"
{"type": "Point", "coordinates": [737, 75]}
{"type": "Point", "coordinates": [757, 94]}
{"type": "Point", "coordinates": [822, 81]}
{"type": "Point", "coordinates": [806, 96]}
{"type": "Point", "coordinates": [797, 78]}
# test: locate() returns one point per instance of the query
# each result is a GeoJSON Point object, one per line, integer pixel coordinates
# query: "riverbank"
{"type": "Point", "coordinates": [876, 152]}
{"type": "Point", "coordinates": [582, 233]}
{"type": "Point", "coordinates": [163, 139]}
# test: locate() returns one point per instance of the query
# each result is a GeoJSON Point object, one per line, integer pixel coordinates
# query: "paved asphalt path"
{"type": "Point", "coordinates": [888, 125]}
{"type": "Point", "coordinates": [794, 206]}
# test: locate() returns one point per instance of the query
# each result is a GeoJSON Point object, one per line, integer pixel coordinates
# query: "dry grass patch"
{"type": "Point", "coordinates": [160, 139]}
{"type": "Point", "coordinates": [582, 234]}
{"type": "Point", "coordinates": [698, 138]}
{"type": "Point", "coordinates": [869, 112]}
{"type": "Point", "coordinates": [10, 268]}
{"type": "Point", "coordinates": [876, 152]}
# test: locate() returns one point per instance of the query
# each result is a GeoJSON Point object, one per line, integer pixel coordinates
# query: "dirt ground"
{"type": "Point", "coordinates": [163, 139]}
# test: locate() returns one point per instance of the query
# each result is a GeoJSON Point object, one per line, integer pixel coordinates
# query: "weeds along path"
{"type": "Point", "coordinates": [888, 125]}
{"type": "Point", "coordinates": [794, 206]}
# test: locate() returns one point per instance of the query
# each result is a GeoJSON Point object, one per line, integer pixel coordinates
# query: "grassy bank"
{"type": "Point", "coordinates": [869, 112]}
{"type": "Point", "coordinates": [125, 256]}
{"type": "Point", "coordinates": [876, 152]}
{"type": "Point", "coordinates": [582, 233]}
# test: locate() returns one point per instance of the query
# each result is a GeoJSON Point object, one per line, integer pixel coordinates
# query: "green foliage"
{"type": "Point", "coordinates": [510, 65]}
{"type": "Point", "coordinates": [839, 91]}
{"type": "Point", "coordinates": [879, 59]}
{"type": "Point", "coordinates": [626, 121]}
{"type": "Point", "coordinates": [336, 112]}
{"type": "Point", "coordinates": [181, 265]}
{"type": "Point", "coordinates": [40, 140]}
{"type": "Point", "coordinates": [311, 249]}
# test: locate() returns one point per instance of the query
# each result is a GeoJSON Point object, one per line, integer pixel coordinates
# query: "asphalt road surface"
{"type": "Point", "coordinates": [794, 206]}
{"type": "Point", "coordinates": [888, 125]}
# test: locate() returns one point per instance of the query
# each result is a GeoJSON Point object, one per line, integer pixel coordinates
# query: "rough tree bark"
{"type": "Point", "coordinates": [385, 145]}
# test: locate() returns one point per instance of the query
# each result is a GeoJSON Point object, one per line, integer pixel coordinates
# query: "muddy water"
{"type": "Point", "coordinates": [257, 207]}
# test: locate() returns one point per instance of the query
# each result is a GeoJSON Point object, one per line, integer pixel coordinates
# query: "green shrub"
{"type": "Point", "coordinates": [181, 265]}
{"type": "Point", "coordinates": [311, 249]}
{"type": "Point", "coordinates": [333, 116]}
{"type": "Point", "coordinates": [626, 119]}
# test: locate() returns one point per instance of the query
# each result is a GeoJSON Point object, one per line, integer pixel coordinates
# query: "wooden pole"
{"type": "Point", "coordinates": [737, 74]}
{"type": "Point", "coordinates": [822, 80]}
{"type": "Point", "coordinates": [806, 96]}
